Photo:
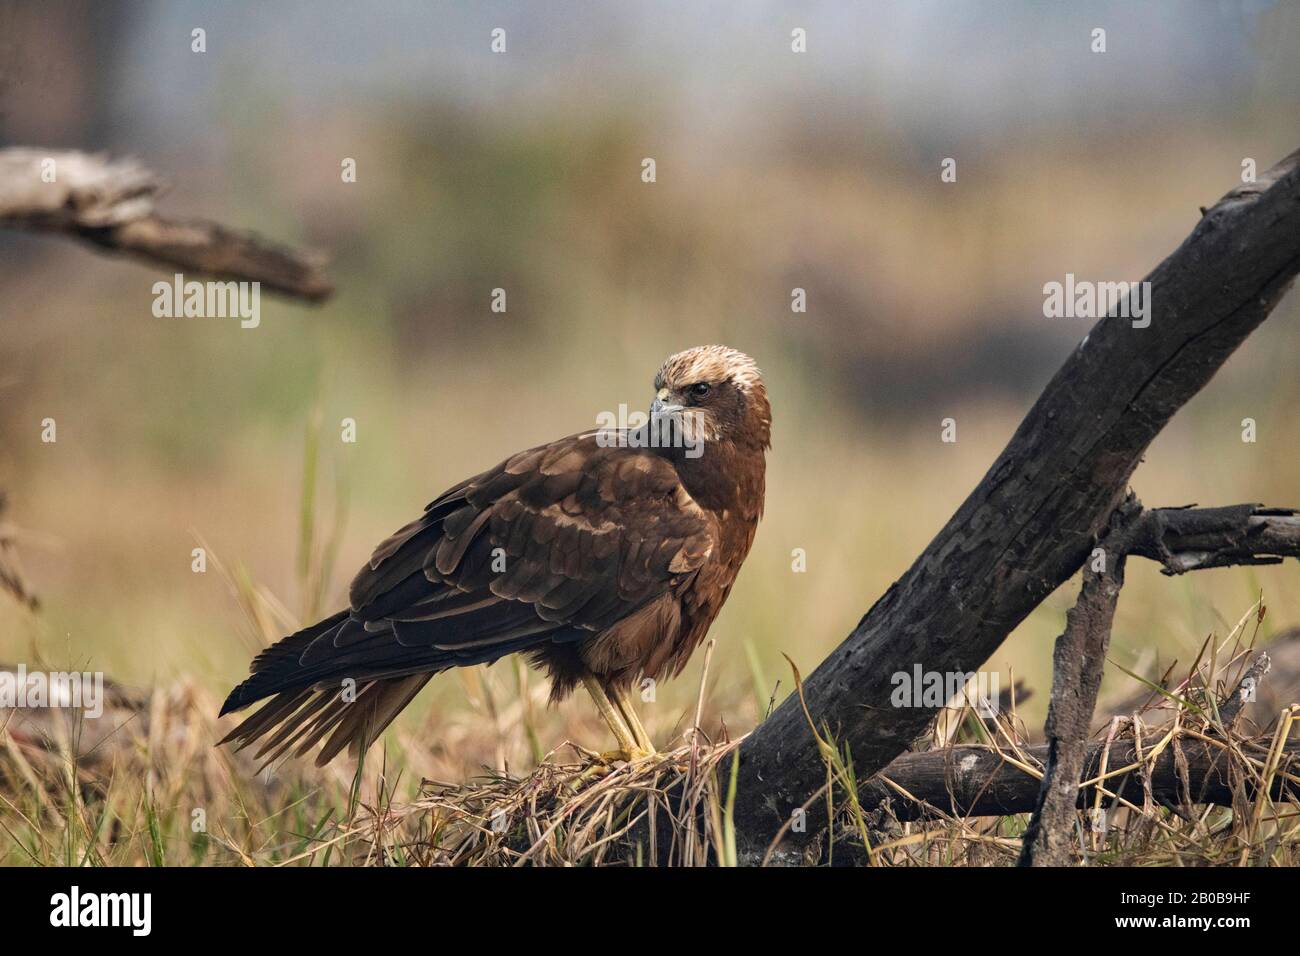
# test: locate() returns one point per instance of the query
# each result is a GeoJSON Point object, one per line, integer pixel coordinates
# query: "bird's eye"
{"type": "Point", "coordinates": [699, 389]}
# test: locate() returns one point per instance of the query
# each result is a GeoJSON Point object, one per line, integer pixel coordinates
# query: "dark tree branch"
{"type": "Point", "coordinates": [1191, 539]}
{"type": "Point", "coordinates": [1245, 691]}
{"type": "Point", "coordinates": [980, 782]}
{"type": "Point", "coordinates": [1181, 540]}
{"type": "Point", "coordinates": [1032, 520]}
{"type": "Point", "coordinates": [1078, 662]}
{"type": "Point", "coordinates": [110, 203]}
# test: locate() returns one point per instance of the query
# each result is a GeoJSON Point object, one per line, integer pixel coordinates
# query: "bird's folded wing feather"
{"type": "Point", "coordinates": [554, 544]}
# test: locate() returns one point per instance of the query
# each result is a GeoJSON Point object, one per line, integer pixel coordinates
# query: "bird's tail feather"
{"type": "Point", "coordinates": [305, 709]}
{"type": "Point", "coordinates": [298, 720]}
{"type": "Point", "coordinates": [324, 685]}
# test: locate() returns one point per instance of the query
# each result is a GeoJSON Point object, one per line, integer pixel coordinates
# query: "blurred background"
{"type": "Point", "coordinates": [522, 171]}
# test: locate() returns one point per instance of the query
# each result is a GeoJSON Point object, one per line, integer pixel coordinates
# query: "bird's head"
{"type": "Point", "coordinates": [714, 394]}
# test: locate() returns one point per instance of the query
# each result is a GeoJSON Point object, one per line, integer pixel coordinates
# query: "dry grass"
{"type": "Point", "coordinates": [143, 785]}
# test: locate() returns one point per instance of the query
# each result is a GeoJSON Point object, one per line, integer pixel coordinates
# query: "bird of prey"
{"type": "Point", "coordinates": [603, 556]}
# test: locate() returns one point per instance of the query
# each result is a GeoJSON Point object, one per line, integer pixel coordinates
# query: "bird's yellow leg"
{"type": "Point", "coordinates": [629, 714]}
{"type": "Point", "coordinates": [629, 748]}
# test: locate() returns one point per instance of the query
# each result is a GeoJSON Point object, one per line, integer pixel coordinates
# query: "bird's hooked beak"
{"type": "Point", "coordinates": [662, 406]}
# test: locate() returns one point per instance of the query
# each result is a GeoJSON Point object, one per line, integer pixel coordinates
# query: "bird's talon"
{"type": "Point", "coordinates": [625, 756]}
{"type": "Point", "coordinates": [592, 772]}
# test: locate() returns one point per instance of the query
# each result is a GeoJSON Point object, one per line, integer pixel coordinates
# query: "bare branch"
{"type": "Point", "coordinates": [1246, 689]}
{"type": "Point", "coordinates": [1078, 662]}
{"type": "Point", "coordinates": [981, 782]}
{"type": "Point", "coordinates": [110, 203]}
{"type": "Point", "coordinates": [1192, 539]}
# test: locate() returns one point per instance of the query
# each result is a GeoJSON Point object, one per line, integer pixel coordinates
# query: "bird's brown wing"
{"type": "Point", "coordinates": [554, 545]}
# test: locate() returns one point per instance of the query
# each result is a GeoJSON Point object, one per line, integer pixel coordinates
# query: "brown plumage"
{"type": "Point", "coordinates": [595, 555]}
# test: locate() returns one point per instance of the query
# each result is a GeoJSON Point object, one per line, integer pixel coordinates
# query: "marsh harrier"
{"type": "Point", "coordinates": [604, 557]}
